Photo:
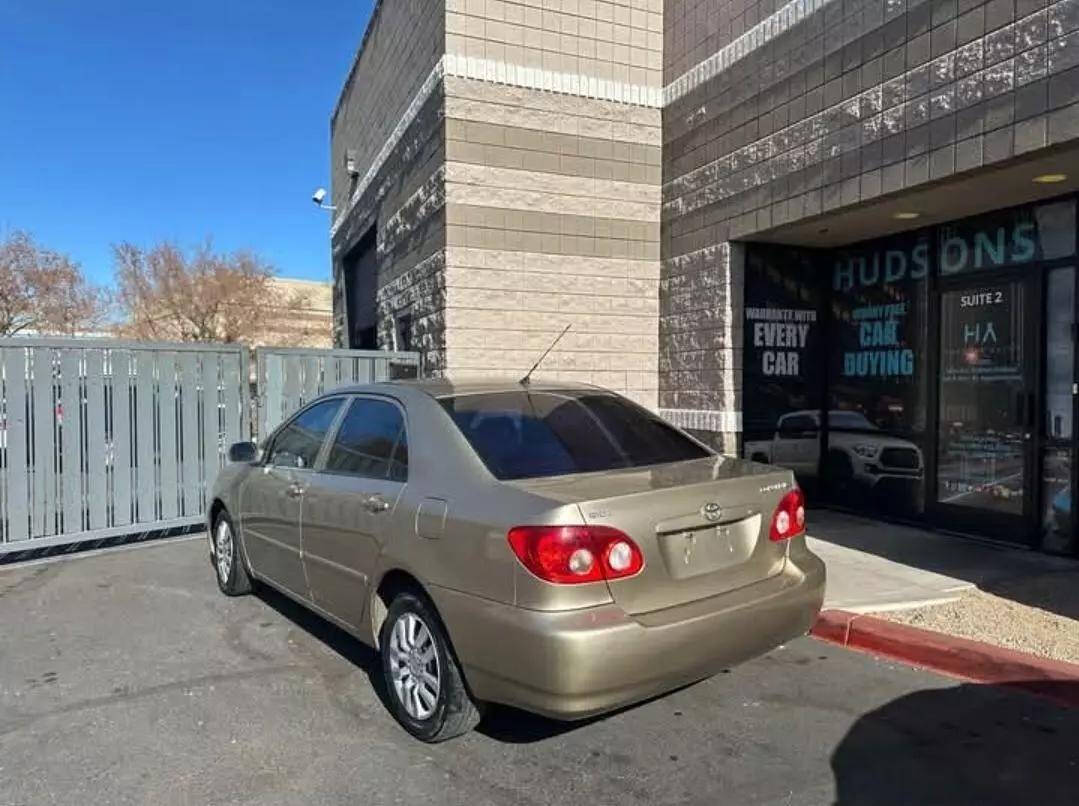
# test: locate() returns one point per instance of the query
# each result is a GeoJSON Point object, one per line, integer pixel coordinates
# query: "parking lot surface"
{"type": "Point", "coordinates": [126, 677]}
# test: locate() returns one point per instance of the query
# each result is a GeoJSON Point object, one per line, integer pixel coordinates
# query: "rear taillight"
{"type": "Point", "coordinates": [789, 519]}
{"type": "Point", "coordinates": [571, 554]}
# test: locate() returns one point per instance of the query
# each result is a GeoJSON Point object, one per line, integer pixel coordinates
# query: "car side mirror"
{"type": "Point", "coordinates": [243, 452]}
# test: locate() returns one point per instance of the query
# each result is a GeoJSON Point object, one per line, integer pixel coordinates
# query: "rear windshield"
{"type": "Point", "coordinates": [521, 435]}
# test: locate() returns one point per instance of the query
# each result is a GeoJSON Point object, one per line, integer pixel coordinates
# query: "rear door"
{"type": "Point", "coordinates": [350, 505]}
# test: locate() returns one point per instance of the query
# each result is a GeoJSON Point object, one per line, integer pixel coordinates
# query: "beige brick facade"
{"type": "Point", "coordinates": [552, 218]}
{"type": "Point", "coordinates": [538, 205]}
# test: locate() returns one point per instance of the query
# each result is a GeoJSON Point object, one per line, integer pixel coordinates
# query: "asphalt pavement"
{"type": "Point", "coordinates": [127, 677]}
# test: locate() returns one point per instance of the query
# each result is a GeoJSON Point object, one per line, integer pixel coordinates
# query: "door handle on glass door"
{"type": "Point", "coordinates": [376, 503]}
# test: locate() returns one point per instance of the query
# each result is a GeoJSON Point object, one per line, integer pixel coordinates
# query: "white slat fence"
{"type": "Point", "coordinates": [102, 438]}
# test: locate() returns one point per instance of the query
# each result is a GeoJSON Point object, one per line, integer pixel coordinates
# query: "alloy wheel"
{"type": "Point", "coordinates": [414, 666]}
{"type": "Point", "coordinates": [223, 550]}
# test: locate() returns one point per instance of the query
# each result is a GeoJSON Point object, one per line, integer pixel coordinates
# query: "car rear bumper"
{"type": "Point", "coordinates": [574, 664]}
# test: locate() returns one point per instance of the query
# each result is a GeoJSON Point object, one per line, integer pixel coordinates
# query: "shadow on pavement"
{"type": "Point", "coordinates": [500, 722]}
{"type": "Point", "coordinates": [971, 743]}
{"type": "Point", "coordinates": [354, 651]}
{"type": "Point", "coordinates": [514, 726]}
{"type": "Point", "coordinates": [1027, 577]}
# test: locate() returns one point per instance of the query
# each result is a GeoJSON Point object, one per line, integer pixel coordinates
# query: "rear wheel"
{"type": "Point", "coordinates": [424, 684]}
{"type": "Point", "coordinates": [229, 566]}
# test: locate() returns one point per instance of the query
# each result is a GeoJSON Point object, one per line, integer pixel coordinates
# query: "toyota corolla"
{"type": "Point", "coordinates": [552, 547]}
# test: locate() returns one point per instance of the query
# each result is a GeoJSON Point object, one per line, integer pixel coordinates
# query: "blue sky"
{"type": "Point", "coordinates": [141, 121]}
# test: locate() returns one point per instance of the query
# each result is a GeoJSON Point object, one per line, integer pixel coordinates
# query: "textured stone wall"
{"type": "Point", "coordinates": [404, 41]}
{"type": "Point", "coordinates": [700, 332]}
{"type": "Point", "coordinates": [405, 203]}
{"type": "Point", "coordinates": [814, 106]}
{"type": "Point", "coordinates": [552, 218]}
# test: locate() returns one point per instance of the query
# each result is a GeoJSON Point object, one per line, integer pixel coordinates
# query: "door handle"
{"type": "Point", "coordinates": [295, 490]}
{"type": "Point", "coordinates": [376, 503]}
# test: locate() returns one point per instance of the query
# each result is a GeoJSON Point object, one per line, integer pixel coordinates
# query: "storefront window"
{"type": "Point", "coordinates": [1003, 357]}
{"type": "Point", "coordinates": [1058, 516]}
{"type": "Point", "coordinates": [1059, 352]}
{"type": "Point", "coordinates": [878, 331]}
{"type": "Point", "coordinates": [782, 378]}
{"type": "Point", "coordinates": [1009, 237]}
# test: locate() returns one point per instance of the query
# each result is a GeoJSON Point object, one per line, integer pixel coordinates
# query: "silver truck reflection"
{"type": "Point", "coordinates": [859, 454]}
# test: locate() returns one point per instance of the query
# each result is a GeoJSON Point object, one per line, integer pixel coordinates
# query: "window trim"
{"type": "Point", "coordinates": [267, 452]}
{"type": "Point", "coordinates": [324, 453]}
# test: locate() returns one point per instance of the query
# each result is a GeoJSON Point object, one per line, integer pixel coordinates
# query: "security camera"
{"type": "Point", "coordinates": [318, 195]}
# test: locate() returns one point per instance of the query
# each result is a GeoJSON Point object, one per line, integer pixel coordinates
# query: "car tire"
{"type": "Point", "coordinates": [415, 651]}
{"type": "Point", "coordinates": [229, 565]}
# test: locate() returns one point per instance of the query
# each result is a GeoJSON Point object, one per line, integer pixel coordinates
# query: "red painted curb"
{"type": "Point", "coordinates": [951, 655]}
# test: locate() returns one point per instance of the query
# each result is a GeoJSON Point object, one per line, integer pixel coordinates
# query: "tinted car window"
{"type": "Point", "coordinates": [370, 442]}
{"type": "Point", "coordinates": [850, 419]}
{"type": "Point", "coordinates": [797, 424]}
{"type": "Point", "coordinates": [303, 436]}
{"type": "Point", "coordinates": [531, 434]}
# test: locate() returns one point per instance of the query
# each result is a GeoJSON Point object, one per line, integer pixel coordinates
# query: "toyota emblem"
{"type": "Point", "coordinates": [712, 511]}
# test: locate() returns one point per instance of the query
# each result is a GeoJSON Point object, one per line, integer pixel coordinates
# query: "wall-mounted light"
{"type": "Point", "coordinates": [1049, 179]}
{"type": "Point", "coordinates": [318, 197]}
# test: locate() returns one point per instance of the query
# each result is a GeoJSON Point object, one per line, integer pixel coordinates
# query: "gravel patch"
{"type": "Point", "coordinates": [1038, 614]}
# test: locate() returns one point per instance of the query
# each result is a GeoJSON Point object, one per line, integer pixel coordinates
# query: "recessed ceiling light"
{"type": "Point", "coordinates": [905, 215]}
{"type": "Point", "coordinates": [1050, 179]}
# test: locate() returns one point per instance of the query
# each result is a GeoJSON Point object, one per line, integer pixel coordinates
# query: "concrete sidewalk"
{"type": "Point", "coordinates": [875, 566]}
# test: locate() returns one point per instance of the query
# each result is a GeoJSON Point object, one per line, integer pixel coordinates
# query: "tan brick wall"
{"type": "Point", "coordinates": [618, 41]}
{"type": "Point", "coordinates": [552, 218]}
{"type": "Point", "coordinates": [549, 188]}
{"type": "Point", "coordinates": [305, 318]}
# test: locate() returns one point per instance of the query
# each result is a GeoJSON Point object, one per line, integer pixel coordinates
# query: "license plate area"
{"type": "Point", "coordinates": [708, 549]}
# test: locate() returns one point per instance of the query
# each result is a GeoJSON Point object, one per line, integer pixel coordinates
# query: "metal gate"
{"type": "Point", "coordinates": [289, 377]}
{"type": "Point", "coordinates": [100, 438]}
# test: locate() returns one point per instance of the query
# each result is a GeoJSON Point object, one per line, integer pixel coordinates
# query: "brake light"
{"type": "Point", "coordinates": [572, 554]}
{"type": "Point", "coordinates": [789, 519]}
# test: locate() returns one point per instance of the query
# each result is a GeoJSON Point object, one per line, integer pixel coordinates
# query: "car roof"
{"type": "Point", "coordinates": [445, 387]}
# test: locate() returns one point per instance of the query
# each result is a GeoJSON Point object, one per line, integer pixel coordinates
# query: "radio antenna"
{"type": "Point", "coordinates": [525, 380]}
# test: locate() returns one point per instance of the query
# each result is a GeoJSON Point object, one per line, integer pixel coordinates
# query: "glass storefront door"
{"type": "Point", "coordinates": [927, 376]}
{"type": "Point", "coordinates": [987, 407]}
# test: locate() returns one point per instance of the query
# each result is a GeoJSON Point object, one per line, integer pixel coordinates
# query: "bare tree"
{"type": "Point", "coordinates": [43, 291]}
{"type": "Point", "coordinates": [169, 295]}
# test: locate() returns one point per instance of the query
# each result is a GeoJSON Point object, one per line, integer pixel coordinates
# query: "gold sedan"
{"type": "Point", "coordinates": [553, 547]}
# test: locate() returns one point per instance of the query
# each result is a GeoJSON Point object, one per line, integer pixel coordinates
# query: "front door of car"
{"type": "Point", "coordinates": [272, 497]}
{"type": "Point", "coordinates": [351, 505]}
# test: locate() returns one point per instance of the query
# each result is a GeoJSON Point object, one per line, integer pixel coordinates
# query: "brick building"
{"type": "Point", "coordinates": [305, 318]}
{"type": "Point", "coordinates": [753, 213]}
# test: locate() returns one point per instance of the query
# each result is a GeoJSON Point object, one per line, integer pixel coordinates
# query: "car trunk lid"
{"type": "Point", "coordinates": [702, 525]}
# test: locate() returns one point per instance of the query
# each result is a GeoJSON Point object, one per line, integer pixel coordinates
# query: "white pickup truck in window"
{"type": "Point", "coordinates": [858, 452]}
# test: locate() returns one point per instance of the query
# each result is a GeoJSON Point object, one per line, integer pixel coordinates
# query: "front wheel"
{"type": "Point", "coordinates": [424, 684]}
